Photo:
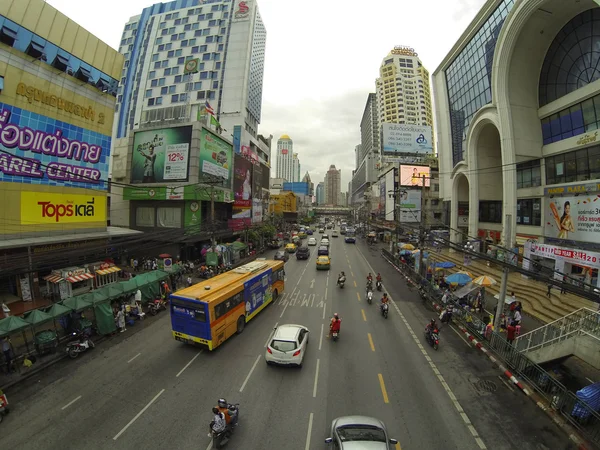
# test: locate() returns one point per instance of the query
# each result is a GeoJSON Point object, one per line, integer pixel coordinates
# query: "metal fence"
{"type": "Point", "coordinates": [577, 412]}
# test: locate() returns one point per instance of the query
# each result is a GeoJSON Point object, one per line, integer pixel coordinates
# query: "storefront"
{"type": "Point", "coordinates": [580, 265]}
{"type": "Point", "coordinates": [70, 282]}
{"type": "Point", "coordinates": [106, 273]}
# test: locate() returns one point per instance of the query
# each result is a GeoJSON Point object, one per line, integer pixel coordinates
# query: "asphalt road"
{"type": "Point", "coordinates": [150, 391]}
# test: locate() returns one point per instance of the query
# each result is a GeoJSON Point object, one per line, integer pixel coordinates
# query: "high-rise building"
{"type": "Point", "coordinates": [403, 90]}
{"type": "Point", "coordinates": [367, 152]}
{"type": "Point", "coordinates": [285, 158]}
{"type": "Point", "coordinates": [333, 186]}
{"type": "Point", "coordinates": [183, 54]}
{"type": "Point", "coordinates": [320, 193]}
{"type": "Point", "coordinates": [295, 168]}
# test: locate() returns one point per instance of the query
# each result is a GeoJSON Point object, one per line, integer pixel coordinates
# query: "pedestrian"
{"type": "Point", "coordinates": [549, 289]}
{"type": "Point", "coordinates": [121, 320]}
{"type": "Point", "coordinates": [517, 317]}
{"type": "Point", "coordinates": [511, 331]}
{"type": "Point", "coordinates": [7, 350]}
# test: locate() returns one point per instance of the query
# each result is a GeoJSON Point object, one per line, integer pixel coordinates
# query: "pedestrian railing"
{"type": "Point", "coordinates": [577, 412]}
{"type": "Point", "coordinates": [584, 321]}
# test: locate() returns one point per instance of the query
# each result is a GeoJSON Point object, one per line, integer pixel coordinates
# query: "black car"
{"type": "Point", "coordinates": [302, 253]}
{"type": "Point", "coordinates": [323, 250]}
{"type": "Point", "coordinates": [281, 256]}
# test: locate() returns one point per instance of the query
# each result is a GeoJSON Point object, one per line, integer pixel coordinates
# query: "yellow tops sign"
{"type": "Point", "coordinates": [48, 208]}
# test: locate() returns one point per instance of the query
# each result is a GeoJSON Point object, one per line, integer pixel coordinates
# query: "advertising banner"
{"type": "Point", "coordinates": [257, 210]}
{"type": "Point", "coordinates": [257, 292]}
{"type": "Point", "coordinates": [241, 10]}
{"type": "Point", "coordinates": [40, 150]}
{"type": "Point", "coordinates": [242, 192]}
{"type": "Point", "coordinates": [237, 138]}
{"type": "Point", "coordinates": [398, 139]}
{"type": "Point", "coordinates": [188, 192]}
{"type": "Point", "coordinates": [390, 183]}
{"type": "Point", "coordinates": [161, 155]}
{"type": "Point", "coordinates": [216, 156]}
{"type": "Point", "coordinates": [192, 215]}
{"type": "Point", "coordinates": [410, 205]}
{"type": "Point", "coordinates": [573, 218]}
{"type": "Point", "coordinates": [51, 208]}
{"type": "Point", "coordinates": [413, 176]}
{"type": "Point", "coordinates": [382, 195]}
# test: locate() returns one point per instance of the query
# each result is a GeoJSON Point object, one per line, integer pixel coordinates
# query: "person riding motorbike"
{"type": "Point", "coordinates": [335, 324]}
{"type": "Point", "coordinates": [230, 415]}
{"type": "Point", "coordinates": [378, 277]}
{"type": "Point", "coordinates": [218, 424]}
{"type": "Point", "coordinates": [369, 278]}
{"type": "Point", "coordinates": [384, 301]}
{"type": "Point", "coordinates": [341, 278]}
{"type": "Point", "coordinates": [431, 326]}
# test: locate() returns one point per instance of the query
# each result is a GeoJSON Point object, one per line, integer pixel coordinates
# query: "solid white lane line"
{"type": "Point", "coordinates": [460, 335]}
{"type": "Point", "coordinates": [133, 358]}
{"type": "Point", "coordinates": [309, 432]}
{"type": "Point", "coordinates": [321, 338]}
{"type": "Point", "coordinates": [189, 363]}
{"type": "Point", "coordinates": [324, 309]}
{"type": "Point", "coordinates": [250, 373]}
{"type": "Point", "coordinates": [70, 403]}
{"type": "Point", "coordinates": [137, 416]}
{"type": "Point", "coordinates": [591, 381]}
{"type": "Point", "coordinates": [283, 312]}
{"type": "Point", "coordinates": [316, 378]}
{"type": "Point", "coordinates": [327, 281]}
{"type": "Point", "coordinates": [325, 292]}
{"type": "Point", "coordinates": [271, 335]}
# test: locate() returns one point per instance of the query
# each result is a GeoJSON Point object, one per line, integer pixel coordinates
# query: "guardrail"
{"type": "Point", "coordinates": [580, 414]}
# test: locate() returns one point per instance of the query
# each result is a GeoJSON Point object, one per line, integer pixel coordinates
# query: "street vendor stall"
{"type": "Point", "coordinates": [70, 282]}
{"type": "Point", "coordinates": [106, 273]}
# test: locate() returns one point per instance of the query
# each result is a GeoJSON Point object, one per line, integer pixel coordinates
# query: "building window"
{"type": "Point", "coordinates": [150, 102]}
{"type": "Point", "coordinates": [529, 174]}
{"type": "Point", "coordinates": [529, 212]}
{"type": "Point", "coordinates": [168, 217]}
{"type": "Point", "coordinates": [144, 216]}
{"type": "Point", "coordinates": [164, 90]}
{"type": "Point", "coordinates": [490, 211]}
{"type": "Point", "coordinates": [575, 120]}
{"type": "Point", "coordinates": [577, 165]}
{"type": "Point", "coordinates": [148, 93]}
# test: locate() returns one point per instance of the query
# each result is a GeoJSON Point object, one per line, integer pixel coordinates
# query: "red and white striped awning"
{"type": "Point", "coordinates": [53, 278]}
{"type": "Point", "coordinates": [82, 277]}
{"type": "Point", "coordinates": [112, 269]}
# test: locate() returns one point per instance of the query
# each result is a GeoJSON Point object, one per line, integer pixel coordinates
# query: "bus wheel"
{"type": "Point", "coordinates": [241, 323]}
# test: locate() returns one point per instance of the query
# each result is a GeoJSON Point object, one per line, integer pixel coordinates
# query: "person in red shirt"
{"type": "Point", "coordinates": [511, 331]}
{"type": "Point", "coordinates": [335, 324]}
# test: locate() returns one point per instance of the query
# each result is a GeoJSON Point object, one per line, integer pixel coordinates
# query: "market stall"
{"type": "Point", "coordinates": [106, 273]}
{"type": "Point", "coordinates": [69, 282]}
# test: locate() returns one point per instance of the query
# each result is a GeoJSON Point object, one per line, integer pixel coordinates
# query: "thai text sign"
{"type": "Point", "coordinates": [573, 256]}
{"type": "Point", "coordinates": [47, 157]}
{"type": "Point", "coordinates": [50, 208]}
{"type": "Point", "coordinates": [574, 218]}
{"type": "Point", "coordinates": [398, 139]}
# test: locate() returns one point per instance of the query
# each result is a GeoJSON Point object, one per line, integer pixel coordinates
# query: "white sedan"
{"type": "Point", "coordinates": [288, 345]}
{"type": "Point", "coordinates": [312, 241]}
{"type": "Point", "coordinates": [325, 242]}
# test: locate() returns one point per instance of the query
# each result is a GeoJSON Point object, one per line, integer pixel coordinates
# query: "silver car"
{"type": "Point", "coordinates": [359, 433]}
{"type": "Point", "coordinates": [288, 345]}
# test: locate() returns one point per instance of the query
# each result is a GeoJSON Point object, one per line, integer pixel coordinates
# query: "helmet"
{"type": "Point", "coordinates": [336, 316]}
{"type": "Point", "coordinates": [222, 403]}
{"type": "Point", "coordinates": [215, 411]}
{"type": "Point", "coordinates": [385, 294]}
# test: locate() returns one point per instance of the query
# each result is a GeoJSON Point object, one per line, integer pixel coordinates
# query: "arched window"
{"type": "Point", "coordinates": [573, 59]}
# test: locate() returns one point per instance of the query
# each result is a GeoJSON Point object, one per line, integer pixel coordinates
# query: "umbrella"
{"type": "Point", "coordinates": [37, 316]}
{"type": "Point", "coordinates": [484, 280]}
{"type": "Point", "coordinates": [445, 265]}
{"type": "Point", "coordinates": [458, 278]}
{"type": "Point", "coordinates": [407, 247]}
{"type": "Point", "coordinates": [405, 252]}
{"type": "Point", "coordinates": [164, 255]}
{"type": "Point", "coordinates": [76, 304]}
{"type": "Point", "coordinates": [466, 273]}
{"type": "Point", "coordinates": [58, 310]}
{"type": "Point", "coordinates": [12, 324]}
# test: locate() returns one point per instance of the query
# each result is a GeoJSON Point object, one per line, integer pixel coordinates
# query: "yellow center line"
{"type": "Point", "coordinates": [349, 266]}
{"type": "Point", "coordinates": [371, 342]}
{"type": "Point", "coordinates": [355, 285]}
{"type": "Point", "coordinates": [352, 273]}
{"type": "Point", "coordinates": [364, 317]}
{"type": "Point", "coordinates": [358, 296]}
{"type": "Point", "coordinates": [398, 446]}
{"type": "Point", "coordinates": [383, 391]}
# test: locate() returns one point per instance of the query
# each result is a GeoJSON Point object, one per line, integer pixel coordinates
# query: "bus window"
{"type": "Point", "coordinates": [279, 275]}
{"type": "Point", "coordinates": [224, 307]}
{"type": "Point", "coordinates": [188, 310]}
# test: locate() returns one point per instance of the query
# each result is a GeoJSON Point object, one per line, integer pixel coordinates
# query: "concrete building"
{"type": "Point", "coordinates": [295, 168]}
{"type": "Point", "coordinates": [367, 153]}
{"type": "Point", "coordinates": [58, 84]}
{"type": "Point", "coordinates": [320, 193]}
{"type": "Point", "coordinates": [524, 106]}
{"type": "Point", "coordinates": [183, 55]}
{"type": "Point", "coordinates": [285, 158]}
{"type": "Point", "coordinates": [333, 186]}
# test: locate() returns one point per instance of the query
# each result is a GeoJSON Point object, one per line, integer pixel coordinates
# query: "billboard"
{"type": "Point", "coordinates": [216, 156]}
{"type": "Point", "coordinates": [257, 210]}
{"type": "Point", "coordinates": [382, 192]}
{"type": "Point", "coordinates": [257, 293]}
{"type": "Point", "coordinates": [413, 175]}
{"type": "Point", "coordinates": [410, 205]}
{"type": "Point", "coordinates": [573, 218]}
{"type": "Point", "coordinates": [242, 192]}
{"type": "Point", "coordinates": [390, 182]}
{"type": "Point", "coordinates": [241, 11]}
{"type": "Point", "coordinates": [161, 155]}
{"type": "Point", "coordinates": [402, 139]}
{"type": "Point", "coordinates": [40, 150]}
{"type": "Point", "coordinates": [57, 208]}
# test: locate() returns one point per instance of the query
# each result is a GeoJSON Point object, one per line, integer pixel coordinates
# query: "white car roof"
{"type": "Point", "coordinates": [288, 332]}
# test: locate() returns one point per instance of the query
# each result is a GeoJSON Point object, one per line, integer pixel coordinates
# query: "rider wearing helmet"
{"type": "Point", "coordinates": [431, 326]}
{"type": "Point", "coordinates": [335, 324]}
{"type": "Point", "coordinates": [378, 277]}
{"type": "Point", "coordinates": [385, 298]}
{"type": "Point", "coordinates": [230, 415]}
{"type": "Point", "coordinates": [341, 277]}
{"type": "Point", "coordinates": [369, 277]}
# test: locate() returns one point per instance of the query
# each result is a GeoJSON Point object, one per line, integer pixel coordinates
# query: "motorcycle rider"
{"type": "Point", "coordinates": [384, 300]}
{"type": "Point", "coordinates": [431, 326]}
{"type": "Point", "coordinates": [378, 277]}
{"type": "Point", "coordinates": [341, 278]}
{"type": "Point", "coordinates": [335, 324]}
{"type": "Point", "coordinates": [231, 417]}
{"type": "Point", "coordinates": [218, 424]}
{"type": "Point", "coordinates": [369, 278]}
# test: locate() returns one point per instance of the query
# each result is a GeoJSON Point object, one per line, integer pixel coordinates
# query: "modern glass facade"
{"type": "Point", "coordinates": [578, 119]}
{"type": "Point", "coordinates": [468, 78]}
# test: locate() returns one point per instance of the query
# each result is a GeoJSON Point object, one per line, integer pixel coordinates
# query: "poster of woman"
{"type": "Point", "coordinates": [573, 218]}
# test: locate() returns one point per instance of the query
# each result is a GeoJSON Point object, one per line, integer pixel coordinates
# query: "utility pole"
{"type": "Point", "coordinates": [422, 231]}
{"type": "Point", "coordinates": [505, 271]}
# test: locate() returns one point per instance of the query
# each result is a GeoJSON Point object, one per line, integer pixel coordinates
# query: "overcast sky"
{"type": "Point", "coordinates": [321, 62]}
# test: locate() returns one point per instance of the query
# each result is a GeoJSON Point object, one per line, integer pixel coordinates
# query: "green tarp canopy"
{"type": "Point", "coordinates": [105, 320]}
{"type": "Point", "coordinates": [76, 304]}
{"type": "Point", "coordinates": [58, 310]}
{"type": "Point", "coordinates": [115, 290]}
{"type": "Point", "coordinates": [37, 316]}
{"type": "Point", "coordinates": [129, 286]}
{"type": "Point", "coordinates": [176, 268]}
{"type": "Point", "coordinates": [93, 297]}
{"type": "Point", "coordinates": [12, 324]}
{"type": "Point", "coordinates": [237, 245]}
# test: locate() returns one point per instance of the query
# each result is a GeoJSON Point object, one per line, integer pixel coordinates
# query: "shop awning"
{"type": "Point", "coordinates": [112, 269]}
{"type": "Point", "coordinates": [82, 277]}
{"type": "Point", "coordinates": [53, 278]}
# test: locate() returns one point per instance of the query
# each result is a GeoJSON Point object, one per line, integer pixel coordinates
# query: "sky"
{"type": "Point", "coordinates": [322, 59]}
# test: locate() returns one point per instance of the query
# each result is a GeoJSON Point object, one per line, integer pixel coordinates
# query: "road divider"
{"type": "Point", "coordinates": [189, 363]}
{"type": "Point", "coordinates": [316, 378]}
{"type": "Point", "coordinates": [309, 432]}
{"type": "Point", "coordinates": [355, 285]}
{"type": "Point", "coordinates": [362, 311]}
{"type": "Point", "coordinates": [383, 390]}
{"type": "Point", "coordinates": [321, 338]}
{"type": "Point", "coordinates": [358, 296]}
{"type": "Point", "coordinates": [324, 310]}
{"type": "Point", "coordinates": [138, 415]}
{"type": "Point", "coordinates": [70, 403]}
{"type": "Point", "coordinates": [250, 373]}
{"type": "Point", "coordinates": [133, 358]}
{"type": "Point", "coordinates": [371, 341]}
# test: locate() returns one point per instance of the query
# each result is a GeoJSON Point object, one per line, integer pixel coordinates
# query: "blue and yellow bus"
{"type": "Point", "coordinates": [210, 312]}
{"type": "Point", "coordinates": [350, 236]}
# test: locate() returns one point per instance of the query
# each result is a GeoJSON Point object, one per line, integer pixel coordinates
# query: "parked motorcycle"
{"type": "Point", "coordinates": [341, 282]}
{"type": "Point", "coordinates": [378, 285]}
{"type": "Point", "coordinates": [432, 337]}
{"type": "Point", "coordinates": [384, 309]}
{"type": "Point", "coordinates": [156, 305]}
{"type": "Point", "coordinates": [221, 439]}
{"type": "Point", "coordinates": [370, 297]}
{"type": "Point", "coordinates": [84, 343]}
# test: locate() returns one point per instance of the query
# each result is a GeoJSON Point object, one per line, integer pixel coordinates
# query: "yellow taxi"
{"type": "Point", "coordinates": [323, 262]}
{"type": "Point", "coordinates": [290, 248]}
{"type": "Point", "coordinates": [302, 235]}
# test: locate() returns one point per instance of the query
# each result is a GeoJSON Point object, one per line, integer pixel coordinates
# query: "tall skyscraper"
{"type": "Point", "coordinates": [295, 168]}
{"type": "Point", "coordinates": [285, 158]}
{"type": "Point", "coordinates": [403, 90]}
{"type": "Point", "coordinates": [183, 54]}
{"type": "Point", "coordinates": [333, 186]}
{"type": "Point", "coordinates": [367, 153]}
{"type": "Point", "coordinates": [320, 193]}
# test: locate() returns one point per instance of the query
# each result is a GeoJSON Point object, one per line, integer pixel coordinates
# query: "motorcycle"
{"type": "Point", "coordinates": [156, 305]}
{"type": "Point", "coordinates": [4, 409]}
{"type": "Point", "coordinates": [378, 284]}
{"type": "Point", "coordinates": [433, 338]}
{"type": "Point", "coordinates": [334, 335]}
{"type": "Point", "coordinates": [384, 309]}
{"type": "Point", "coordinates": [84, 343]}
{"type": "Point", "coordinates": [370, 297]}
{"type": "Point", "coordinates": [221, 439]}
{"type": "Point", "coordinates": [369, 285]}
{"type": "Point", "coordinates": [341, 282]}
